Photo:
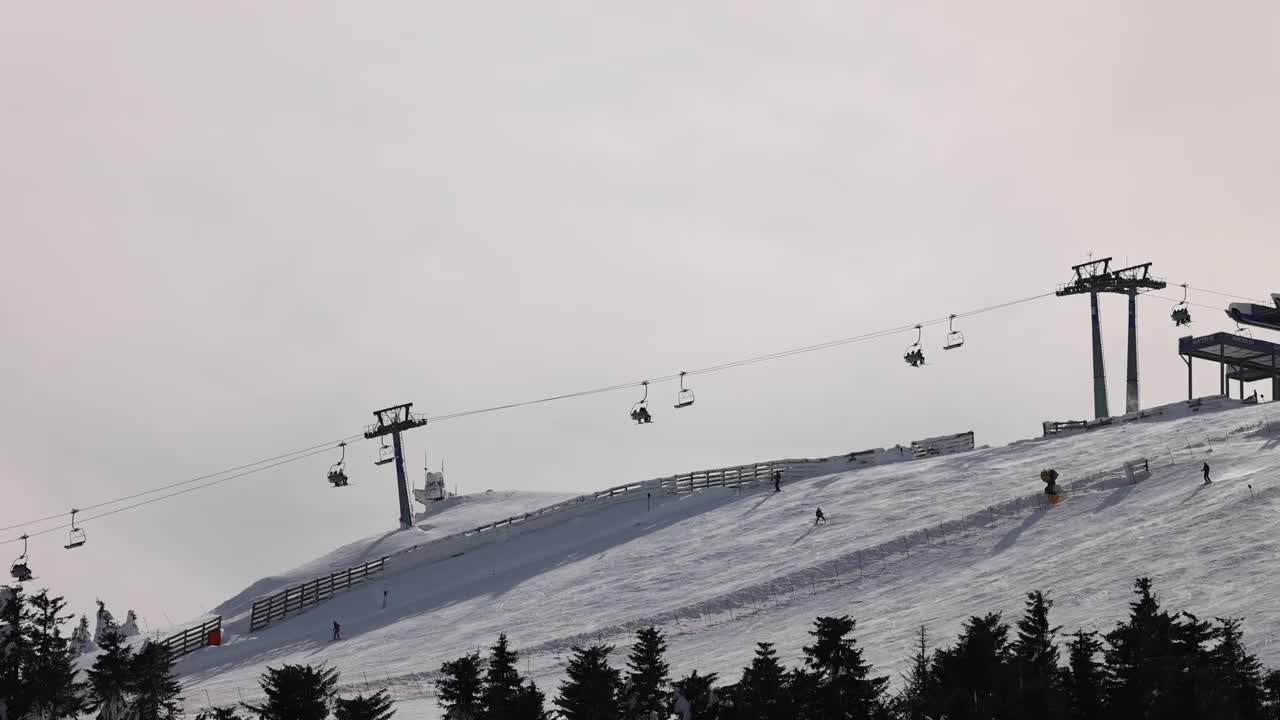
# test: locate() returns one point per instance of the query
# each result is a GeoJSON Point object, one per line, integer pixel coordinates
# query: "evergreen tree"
{"type": "Point", "coordinates": [81, 640]}
{"type": "Point", "coordinates": [459, 687]}
{"type": "Point", "coordinates": [15, 654]}
{"type": "Point", "coordinates": [1141, 658]}
{"type": "Point", "coordinates": [1035, 655]}
{"type": "Point", "coordinates": [696, 697]}
{"type": "Point", "coordinates": [130, 626]}
{"type": "Point", "coordinates": [377, 706]}
{"type": "Point", "coordinates": [54, 691]}
{"type": "Point", "coordinates": [296, 692]}
{"type": "Point", "coordinates": [1271, 695]}
{"type": "Point", "coordinates": [840, 685]}
{"type": "Point", "coordinates": [763, 692]}
{"type": "Point", "coordinates": [156, 693]}
{"type": "Point", "coordinates": [592, 689]}
{"type": "Point", "coordinates": [647, 676]}
{"type": "Point", "coordinates": [502, 682]}
{"type": "Point", "coordinates": [110, 678]}
{"type": "Point", "coordinates": [1192, 688]}
{"type": "Point", "coordinates": [1239, 673]}
{"type": "Point", "coordinates": [973, 680]}
{"type": "Point", "coordinates": [1085, 679]}
{"type": "Point", "coordinates": [909, 703]}
{"type": "Point", "coordinates": [530, 703]}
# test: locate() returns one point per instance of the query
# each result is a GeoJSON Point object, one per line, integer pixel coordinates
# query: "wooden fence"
{"type": "Point", "coordinates": [192, 639]}
{"type": "Point", "coordinates": [280, 605]}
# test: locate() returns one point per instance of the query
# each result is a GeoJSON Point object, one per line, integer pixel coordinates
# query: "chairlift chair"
{"type": "Point", "coordinates": [337, 473]}
{"type": "Point", "coordinates": [914, 356]}
{"type": "Point", "coordinates": [20, 570]}
{"type": "Point", "coordinates": [76, 537]}
{"type": "Point", "coordinates": [955, 338]}
{"type": "Point", "coordinates": [640, 411]}
{"type": "Point", "coordinates": [386, 454]}
{"type": "Point", "coordinates": [684, 398]}
{"type": "Point", "coordinates": [1181, 314]}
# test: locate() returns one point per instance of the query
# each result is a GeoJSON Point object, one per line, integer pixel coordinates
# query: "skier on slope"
{"type": "Point", "coordinates": [819, 518]}
{"type": "Point", "coordinates": [1207, 481]}
{"type": "Point", "coordinates": [777, 481]}
{"type": "Point", "coordinates": [337, 630]}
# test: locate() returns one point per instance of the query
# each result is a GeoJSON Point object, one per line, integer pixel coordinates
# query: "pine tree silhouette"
{"type": "Point", "coordinates": [55, 691]}
{"type": "Point", "coordinates": [764, 691]}
{"type": "Point", "coordinates": [15, 651]}
{"type": "Point", "coordinates": [110, 678]}
{"type": "Point", "coordinates": [1085, 679]}
{"type": "Point", "coordinates": [646, 693]}
{"type": "Point", "coordinates": [377, 706]}
{"type": "Point", "coordinates": [593, 688]}
{"type": "Point", "coordinates": [219, 712]}
{"type": "Point", "coordinates": [157, 694]}
{"type": "Point", "coordinates": [459, 687]}
{"type": "Point", "coordinates": [1239, 672]}
{"type": "Point", "coordinates": [909, 703]}
{"type": "Point", "coordinates": [502, 682]}
{"type": "Point", "coordinates": [839, 682]}
{"type": "Point", "coordinates": [1140, 656]}
{"type": "Point", "coordinates": [1035, 656]}
{"type": "Point", "coordinates": [974, 679]}
{"type": "Point", "coordinates": [296, 692]}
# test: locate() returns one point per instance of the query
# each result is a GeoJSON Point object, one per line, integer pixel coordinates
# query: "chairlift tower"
{"type": "Point", "coordinates": [1091, 277]}
{"type": "Point", "coordinates": [393, 421]}
{"type": "Point", "coordinates": [1096, 276]}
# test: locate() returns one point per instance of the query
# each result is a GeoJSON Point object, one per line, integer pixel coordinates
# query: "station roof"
{"type": "Point", "coordinates": [1251, 359]}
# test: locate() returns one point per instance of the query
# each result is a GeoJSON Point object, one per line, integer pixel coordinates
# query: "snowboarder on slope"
{"type": "Point", "coordinates": [1207, 481]}
{"type": "Point", "coordinates": [337, 630]}
{"type": "Point", "coordinates": [777, 481]}
{"type": "Point", "coordinates": [820, 518]}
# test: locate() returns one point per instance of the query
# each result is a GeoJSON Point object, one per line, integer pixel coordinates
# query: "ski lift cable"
{"type": "Point", "coordinates": [745, 361]}
{"type": "Point", "coordinates": [126, 498]}
{"type": "Point", "coordinates": [168, 496]}
{"type": "Point", "coordinates": [1228, 295]}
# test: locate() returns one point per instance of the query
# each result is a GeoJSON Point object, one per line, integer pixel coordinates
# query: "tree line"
{"type": "Point", "coordinates": [1155, 664]}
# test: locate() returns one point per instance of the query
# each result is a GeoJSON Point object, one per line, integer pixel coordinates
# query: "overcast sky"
{"type": "Point", "coordinates": [233, 229]}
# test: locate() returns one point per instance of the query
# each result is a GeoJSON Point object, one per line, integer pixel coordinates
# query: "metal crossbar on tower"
{"type": "Point", "coordinates": [1096, 276]}
{"type": "Point", "coordinates": [393, 421]}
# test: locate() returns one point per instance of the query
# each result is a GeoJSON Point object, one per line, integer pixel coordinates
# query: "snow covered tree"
{"type": "Point", "coordinates": [646, 693]}
{"type": "Point", "coordinates": [377, 706]}
{"type": "Point", "coordinates": [1239, 673]}
{"type": "Point", "coordinates": [459, 687]}
{"type": "Point", "coordinates": [156, 693]}
{"type": "Point", "coordinates": [105, 623]}
{"type": "Point", "coordinates": [909, 703]}
{"type": "Point", "coordinates": [130, 626]}
{"type": "Point", "coordinates": [973, 679]}
{"type": "Point", "coordinates": [296, 692]}
{"type": "Point", "coordinates": [695, 697]}
{"type": "Point", "coordinates": [1035, 656]}
{"type": "Point", "coordinates": [81, 640]}
{"type": "Point", "coordinates": [593, 687]}
{"type": "Point", "coordinates": [15, 654]}
{"type": "Point", "coordinates": [54, 691]}
{"type": "Point", "coordinates": [1085, 679]}
{"type": "Point", "coordinates": [110, 679]}
{"type": "Point", "coordinates": [839, 682]}
{"type": "Point", "coordinates": [502, 681]}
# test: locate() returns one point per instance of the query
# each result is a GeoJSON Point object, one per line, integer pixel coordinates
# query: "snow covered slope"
{"type": "Point", "coordinates": [907, 544]}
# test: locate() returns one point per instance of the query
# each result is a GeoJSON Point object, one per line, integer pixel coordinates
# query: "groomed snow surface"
{"type": "Point", "coordinates": [906, 545]}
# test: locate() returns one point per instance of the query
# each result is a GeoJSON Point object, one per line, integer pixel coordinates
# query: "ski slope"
{"type": "Point", "coordinates": [723, 569]}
